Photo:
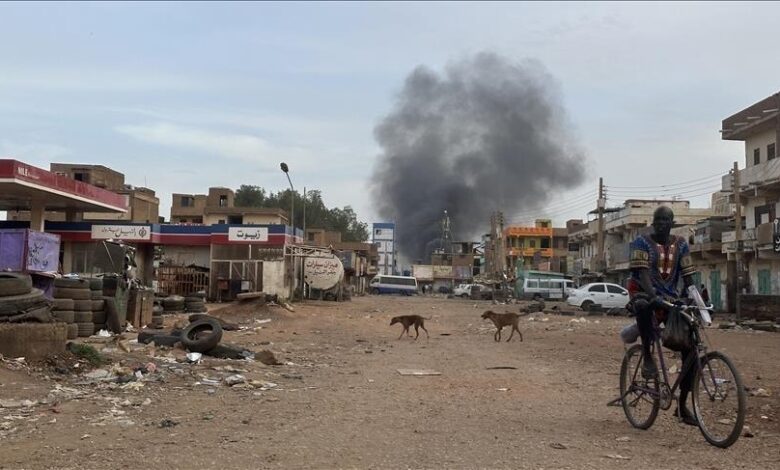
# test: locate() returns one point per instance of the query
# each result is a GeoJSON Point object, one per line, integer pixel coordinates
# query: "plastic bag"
{"type": "Point", "coordinates": [677, 333]}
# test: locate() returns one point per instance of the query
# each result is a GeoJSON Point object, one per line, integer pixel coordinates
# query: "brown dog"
{"type": "Point", "coordinates": [409, 320]}
{"type": "Point", "coordinates": [504, 319]}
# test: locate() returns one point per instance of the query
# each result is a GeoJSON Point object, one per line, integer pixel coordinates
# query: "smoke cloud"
{"type": "Point", "coordinates": [489, 134]}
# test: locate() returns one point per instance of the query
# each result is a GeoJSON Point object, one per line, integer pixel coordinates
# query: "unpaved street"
{"type": "Point", "coordinates": [340, 402]}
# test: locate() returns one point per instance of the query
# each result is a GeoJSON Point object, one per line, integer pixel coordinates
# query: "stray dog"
{"type": "Point", "coordinates": [409, 320]}
{"type": "Point", "coordinates": [504, 319]}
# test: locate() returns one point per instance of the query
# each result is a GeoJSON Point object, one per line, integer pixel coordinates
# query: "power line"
{"type": "Point", "coordinates": [671, 184]}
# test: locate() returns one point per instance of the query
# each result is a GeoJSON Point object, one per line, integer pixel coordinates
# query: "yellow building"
{"type": "Point", "coordinates": [529, 247]}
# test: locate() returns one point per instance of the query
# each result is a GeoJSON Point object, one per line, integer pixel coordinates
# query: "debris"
{"type": "Point", "coordinates": [146, 402]}
{"type": "Point", "coordinates": [760, 392]}
{"type": "Point", "coordinates": [558, 445]}
{"type": "Point", "coordinates": [292, 376]}
{"type": "Point", "coordinates": [617, 457]}
{"type": "Point", "coordinates": [103, 334]}
{"type": "Point", "coordinates": [267, 357]}
{"type": "Point", "coordinates": [194, 357]}
{"type": "Point", "coordinates": [288, 307]}
{"type": "Point", "coordinates": [235, 380]}
{"type": "Point", "coordinates": [418, 372]}
{"type": "Point", "coordinates": [725, 421]}
{"type": "Point", "coordinates": [17, 403]}
{"type": "Point", "coordinates": [264, 320]}
{"type": "Point", "coordinates": [747, 432]}
{"type": "Point", "coordinates": [502, 389]}
{"type": "Point", "coordinates": [168, 423]}
{"type": "Point", "coordinates": [88, 353]}
{"type": "Point", "coordinates": [501, 368]}
{"type": "Point", "coordinates": [623, 439]}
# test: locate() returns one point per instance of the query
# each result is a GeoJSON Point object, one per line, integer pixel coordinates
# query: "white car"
{"type": "Point", "coordinates": [463, 290]}
{"type": "Point", "coordinates": [601, 293]}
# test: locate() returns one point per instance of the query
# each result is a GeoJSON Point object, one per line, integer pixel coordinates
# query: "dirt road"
{"type": "Point", "coordinates": [339, 401]}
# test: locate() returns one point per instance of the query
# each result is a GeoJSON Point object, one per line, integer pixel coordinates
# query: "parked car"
{"type": "Point", "coordinates": [463, 290]}
{"type": "Point", "coordinates": [549, 288]}
{"type": "Point", "coordinates": [598, 293]}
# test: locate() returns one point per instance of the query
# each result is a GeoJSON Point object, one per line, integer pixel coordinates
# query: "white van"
{"type": "Point", "coordinates": [546, 288]}
{"type": "Point", "coordinates": [384, 284]}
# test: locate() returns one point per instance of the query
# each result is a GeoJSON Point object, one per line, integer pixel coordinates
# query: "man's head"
{"type": "Point", "coordinates": [663, 220]}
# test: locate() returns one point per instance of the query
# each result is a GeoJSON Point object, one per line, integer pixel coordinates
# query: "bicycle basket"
{"type": "Point", "coordinates": [677, 332]}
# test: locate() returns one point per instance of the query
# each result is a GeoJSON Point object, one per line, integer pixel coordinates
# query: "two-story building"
{"type": "Point", "coordinates": [218, 207]}
{"type": "Point", "coordinates": [758, 126]}
{"type": "Point", "coordinates": [529, 247]}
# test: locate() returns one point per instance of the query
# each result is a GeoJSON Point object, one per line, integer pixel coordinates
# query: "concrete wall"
{"type": "Point", "coordinates": [273, 278]}
{"type": "Point", "coordinates": [249, 219]}
{"type": "Point", "coordinates": [760, 141]}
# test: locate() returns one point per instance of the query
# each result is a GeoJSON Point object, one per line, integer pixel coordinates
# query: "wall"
{"type": "Point", "coordinates": [214, 196]}
{"type": "Point", "coordinates": [248, 219]}
{"type": "Point", "coordinates": [273, 278]}
{"type": "Point", "coordinates": [760, 140]}
{"type": "Point", "coordinates": [762, 264]}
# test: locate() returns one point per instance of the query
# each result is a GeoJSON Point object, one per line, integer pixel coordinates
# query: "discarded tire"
{"type": "Point", "coordinates": [157, 309]}
{"type": "Point", "coordinates": [62, 304]}
{"type": "Point", "coordinates": [96, 284]}
{"type": "Point", "coordinates": [158, 337]}
{"type": "Point", "coordinates": [73, 331]}
{"type": "Point", "coordinates": [174, 303]}
{"type": "Point", "coordinates": [96, 294]}
{"type": "Point", "coordinates": [201, 336]}
{"type": "Point", "coordinates": [86, 329]}
{"type": "Point", "coordinates": [71, 283]}
{"type": "Point", "coordinates": [225, 325]}
{"type": "Point", "coordinates": [195, 307]}
{"type": "Point", "coordinates": [12, 304]}
{"type": "Point", "coordinates": [98, 305]}
{"type": "Point", "coordinates": [65, 316]}
{"type": "Point", "coordinates": [14, 284]}
{"type": "Point", "coordinates": [99, 317]}
{"type": "Point", "coordinates": [82, 305]}
{"type": "Point", "coordinates": [82, 317]}
{"type": "Point", "coordinates": [71, 293]}
{"type": "Point", "coordinates": [32, 340]}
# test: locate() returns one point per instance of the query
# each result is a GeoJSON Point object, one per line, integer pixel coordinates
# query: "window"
{"type": "Point", "coordinates": [770, 152]}
{"type": "Point", "coordinates": [221, 221]}
{"type": "Point", "coordinates": [596, 288]}
{"type": "Point", "coordinates": [187, 201]}
{"type": "Point", "coordinates": [756, 156]}
{"type": "Point", "coordinates": [81, 177]}
{"type": "Point", "coordinates": [533, 284]}
{"type": "Point", "coordinates": [614, 289]}
{"type": "Point", "coordinates": [544, 284]}
{"type": "Point", "coordinates": [223, 201]}
{"type": "Point", "coordinates": [545, 243]}
{"type": "Point", "coordinates": [532, 243]}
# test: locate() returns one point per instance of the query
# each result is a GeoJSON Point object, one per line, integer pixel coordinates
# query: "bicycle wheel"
{"type": "Point", "coordinates": [719, 400]}
{"type": "Point", "coordinates": [641, 397]}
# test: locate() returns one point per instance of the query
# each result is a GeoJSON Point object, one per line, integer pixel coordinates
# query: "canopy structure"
{"type": "Point", "coordinates": [25, 187]}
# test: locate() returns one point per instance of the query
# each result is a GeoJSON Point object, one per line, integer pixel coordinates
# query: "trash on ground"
{"type": "Point", "coordinates": [418, 372]}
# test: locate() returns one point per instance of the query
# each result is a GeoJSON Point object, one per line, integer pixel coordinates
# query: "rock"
{"type": "Point", "coordinates": [623, 439]}
{"type": "Point", "coordinates": [747, 432]}
{"type": "Point", "coordinates": [147, 402]}
{"type": "Point", "coordinates": [292, 376]}
{"type": "Point", "coordinates": [267, 357]}
{"type": "Point", "coordinates": [235, 380]}
{"type": "Point", "coordinates": [168, 423]}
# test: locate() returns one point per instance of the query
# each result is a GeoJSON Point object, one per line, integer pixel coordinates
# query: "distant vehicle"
{"type": "Point", "coordinates": [468, 291]}
{"type": "Point", "coordinates": [543, 285]}
{"type": "Point", "coordinates": [599, 293]}
{"type": "Point", "coordinates": [384, 284]}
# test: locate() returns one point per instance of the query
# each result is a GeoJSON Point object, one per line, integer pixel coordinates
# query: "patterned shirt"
{"type": "Point", "coordinates": [667, 263]}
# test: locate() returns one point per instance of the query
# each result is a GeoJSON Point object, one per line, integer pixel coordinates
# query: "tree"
{"type": "Point", "coordinates": [250, 196]}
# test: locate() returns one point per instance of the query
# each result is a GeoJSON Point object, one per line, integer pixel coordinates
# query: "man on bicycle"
{"type": "Point", "coordinates": [657, 263]}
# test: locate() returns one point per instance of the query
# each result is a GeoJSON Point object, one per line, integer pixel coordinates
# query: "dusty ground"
{"type": "Point", "coordinates": [340, 403]}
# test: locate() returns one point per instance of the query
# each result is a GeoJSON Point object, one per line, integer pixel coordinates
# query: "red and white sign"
{"type": "Point", "coordinates": [122, 232]}
{"type": "Point", "coordinates": [248, 234]}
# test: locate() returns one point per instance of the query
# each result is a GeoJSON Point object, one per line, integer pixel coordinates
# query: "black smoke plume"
{"type": "Point", "coordinates": [490, 134]}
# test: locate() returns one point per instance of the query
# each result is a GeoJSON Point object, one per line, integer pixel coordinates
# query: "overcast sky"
{"type": "Point", "coordinates": [180, 97]}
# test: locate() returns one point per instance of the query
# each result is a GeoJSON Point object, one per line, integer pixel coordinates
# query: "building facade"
{"type": "Point", "coordinates": [758, 263]}
{"type": "Point", "coordinates": [383, 234]}
{"type": "Point", "coordinates": [218, 207]}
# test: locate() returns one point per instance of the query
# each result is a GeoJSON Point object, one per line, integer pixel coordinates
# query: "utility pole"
{"type": "Point", "coordinates": [500, 249]}
{"type": "Point", "coordinates": [600, 238]}
{"type": "Point", "coordinates": [738, 234]}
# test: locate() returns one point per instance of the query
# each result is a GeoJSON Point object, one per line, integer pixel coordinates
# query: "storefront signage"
{"type": "Point", "coordinates": [122, 232]}
{"type": "Point", "coordinates": [322, 273]}
{"type": "Point", "coordinates": [248, 234]}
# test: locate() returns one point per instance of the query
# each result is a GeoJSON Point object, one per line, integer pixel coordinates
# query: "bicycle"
{"type": "Point", "coordinates": [716, 382]}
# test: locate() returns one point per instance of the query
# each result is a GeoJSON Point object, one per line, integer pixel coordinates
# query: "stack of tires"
{"type": "Point", "coordinates": [19, 302]}
{"type": "Point", "coordinates": [195, 303]}
{"type": "Point", "coordinates": [77, 290]}
{"type": "Point", "coordinates": [98, 305]}
{"type": "Point", "coordinates": [173, 304]}
{"type": "Point", "coordinates": [62, 310]}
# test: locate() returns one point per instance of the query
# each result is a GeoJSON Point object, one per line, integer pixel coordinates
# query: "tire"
{"type": "Point", "coordinates": [14, 284]}
{"type": "Point", "coordinates": [67, 316]}
{"type": "Point", "coordinates": [82, 305]}
{"type": "Point", "coordinates": [157, 322]}
{"type": "Point", "coordinates": [586, 305]}
{"type": "Point", "coordinates": [157, 310]}
{"type": "Point", "coordinates": [158, 337]}
{"type": "Point", "coordinates": [99, 317]}
{"type": "Point", "coordinates": [12, 304]}
{"type": "Point", "coordinates": [96, 283]}
{"type": "Point", "coordinates": [98, 305]}
{"type": "Point", "coordinates": [464, 296]}
{"type": "Point", "coordinates": [712, 391]}
{"type": "Point", "coordinates": [96, 294]}
{"type": "Point", "coordinates": [202, 335]}
{"type": "Point", "coordinates": [193, 299]}
{"type": "Point", "coordinates": [71, 293]}
{"type": "Point", "coordinates": [85, 329]}
{"type": "Point", "coordinates": [73, 331]}
{"type": "Point", "coordinates": [71, 283]}
{"type": "Point", "coordinates": [537, 297]}
{"type": "Point", "coordinates": [375, 291]}
{"type": "Point", "coordinates": [82, 317]}
{"type": "Point", "coordinates": [629, 373]}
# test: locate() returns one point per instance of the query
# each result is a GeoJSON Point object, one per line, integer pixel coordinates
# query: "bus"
{"type": "Point", "coordinates": [384, 284]}
{"type": "Point", "coordinates": [543, 285]}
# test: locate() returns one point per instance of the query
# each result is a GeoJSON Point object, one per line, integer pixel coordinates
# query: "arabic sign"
{"type": "Point", "coordinates": [777, 236]}
{"type": "Point", "coordinates": [423, 272]}
{"type": "Point", "coordinates": [43, 251]}
{"type": "Point", "coordinates": [122, 232]}
{"type": "Point", "coordinates": [248, 234]}
{"type": "Point", "coordinates": [322, 273]}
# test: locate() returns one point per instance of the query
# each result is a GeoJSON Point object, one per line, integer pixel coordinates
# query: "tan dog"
{"type": "Point", "coordinates": [504, 319]}
{"type": "Point", "coordinates": [409, 320]}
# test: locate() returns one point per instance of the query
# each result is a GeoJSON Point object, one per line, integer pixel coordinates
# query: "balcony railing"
{"type": "Point", "coordinates": [763, 174]}
{"type": "Point", "coordinates": [544, 252]}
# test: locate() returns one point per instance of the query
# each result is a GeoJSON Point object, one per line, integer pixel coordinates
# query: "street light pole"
{"type": "Point", "coordinates": [286, 171]}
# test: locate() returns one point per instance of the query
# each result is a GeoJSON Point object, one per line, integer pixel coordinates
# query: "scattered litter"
{"type": "Point", "coordinates": [103, 334]}
{"type": "Point", "coordinates": [501, 368]}
{"type": "Point", "coordinates": [760, 392]}
{"type": "Point", "coordinates": [147, 402]}
{"type": "Point", "coordinates": [292, 376]}
{"type": "Point", "coordinates": [558, 445]}
{"type": "Point", "coordinates": [265, 320]}
{"type": "Point", "coordinates": [617, 457]}
{"type": "Point", "coordinates": [194, 357]}
{"type": "Point", "coordinates": [623, 439]}
{"type": "Point", "coordinates": [168, 423]}
{"type": "Point", "coordinates": [418, 372]}
{"type": "Point", "coordinates": [445, 334]}
{"type": "Point", "coordinates": [235, 380]}
{"type": "Point", "coordinates": [502, 389]}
